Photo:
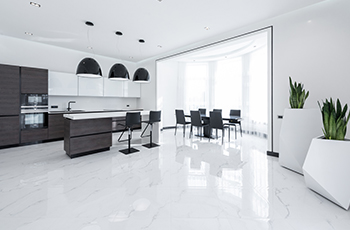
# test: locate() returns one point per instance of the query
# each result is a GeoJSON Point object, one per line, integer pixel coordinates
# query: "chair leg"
{"type": "Point", "coordinates": [240, 128]}
{"type": "Point", "coordinates": [145, 130]}
{"type": "Point", "coordinates": [191, 130]}
{"type": "Point", "coordinates": [150, 144]}
{"type": "Point", "coordinates": [184, 129]}
{"type": "Point", "coordinates": [175, 129]}
{"type": "Point", "coordinates": [129, 149]}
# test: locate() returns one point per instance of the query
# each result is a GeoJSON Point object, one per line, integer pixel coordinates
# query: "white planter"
{"type": "Point", "coordinates": [299, 126]}
{"type": "Point", "coordinates": [327, 169]}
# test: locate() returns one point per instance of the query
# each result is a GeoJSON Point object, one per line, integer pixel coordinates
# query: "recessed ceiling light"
{"type": "Point", "coordinates": [89, 47]}
{"type": "Point", "coordinates": [207, 28]}
{"type": "Point", "coordinates": [119, 33]}
{"type": "Point", "coordinates": [35, 4]}
{"type": "Point", "coordinates": [159, 46]}
{"type": "Point", "coordinates": [28, 33]}
{"type": "Point", "coordinates": [160, 0]}
{"type": "Point", "coordinates": [88, 23]}
{"type": "Point", "coordinates": [141, 41]}
{"type": "Point", "coordinates": [131, 57]}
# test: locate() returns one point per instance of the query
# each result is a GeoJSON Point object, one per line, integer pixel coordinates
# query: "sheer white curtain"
{"type": "Point", "coordinates": [235, 83]}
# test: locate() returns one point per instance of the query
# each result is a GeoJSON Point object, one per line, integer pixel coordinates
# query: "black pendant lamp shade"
{"type": "Point", "coordinates": [88, 67]}
{"type": "Point", "coordinates": [118, 72]}
{"type": "Point", "coordinates": [141, 75]}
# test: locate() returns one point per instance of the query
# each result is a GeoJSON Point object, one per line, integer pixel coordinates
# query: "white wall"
{"type": "Point", "coordinates": [21, 52]}
{"type": "Point", "coordinates": [167, 79]}
{"type": "Point", "coordinates": [310, 44]}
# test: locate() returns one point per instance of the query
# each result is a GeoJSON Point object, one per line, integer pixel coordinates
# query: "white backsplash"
{"type": "Point", "coordinates": [92, 103]}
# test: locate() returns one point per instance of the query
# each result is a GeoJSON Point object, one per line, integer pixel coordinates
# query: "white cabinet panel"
{"type": "Point", "coordinates": [132, 89]}
{"type": "Point", "coordinates": [113, 88]}
{"type": "Point", "coordinates": [90, 86]}
{"type": "Point", "coordinates": [63, 84]}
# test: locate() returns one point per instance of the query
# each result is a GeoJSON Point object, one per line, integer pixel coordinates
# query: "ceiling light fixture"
{"type": "Point", "coordinates": [207, 28]}
{"type": "Point", "coordinates": [119, 33]}
{"type": "Point", "coordinates": [88, 67]}
{"type": "Point", "coordinates": [35, 4]}
{"type": "Point", "coordinates": [141, 75]}
{"type": "Point", "coordinates": [88, 23]}
{"type": "Point", "coordinates": [141, 41]}
{"type": "Point", "coordinates": [159, 46]}
{"type": "Point", "coordinates": [118, 72]}
{"type": "Point", "coordinates": [28, 33]}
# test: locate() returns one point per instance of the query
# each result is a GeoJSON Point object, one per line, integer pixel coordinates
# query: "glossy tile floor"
{"type": "Point", "coordinates": [183, 184]}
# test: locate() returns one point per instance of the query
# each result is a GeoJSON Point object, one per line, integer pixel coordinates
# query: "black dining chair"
{"type": "Point", "coordinates": [196, 121]}
{"type": "Point", "coordinates": [202, 112]}
{"type": "Point", "coordinates": [216, 123]}
{"type": "Point", "coordinates": [234, 122]}
{"type": "Point", "coordinates": [180, 119]}
{"type": "Point", "coordinates": [132, 119]}
{"type": "Point", "coordinates": [154, 117]}
{"type": "Point", "coordinates": [217, 110]}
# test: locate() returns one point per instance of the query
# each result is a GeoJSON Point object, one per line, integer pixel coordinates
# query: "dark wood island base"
{"type": "Point", "coordinates": [87, 136]}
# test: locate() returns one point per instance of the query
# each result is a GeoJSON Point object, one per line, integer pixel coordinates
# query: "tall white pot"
{"type": "Point", "coordinates": [298, 128]}
{"type": "Point", "coordinates": [327, 169]}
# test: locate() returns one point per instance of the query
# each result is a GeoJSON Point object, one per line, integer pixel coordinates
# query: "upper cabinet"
{"type": "Point", "coordinates": [9, 90]}
{"type": "Point", "coordinates": [90, 86]}
{"type": "Point", "coordinates": [113, 88]}
{"type": "Point", "coordinates": [132, 89]}
{"type": "Point", "coordinates": [63, 84]}
{"type": "Point", "coordinates": [34, 80]}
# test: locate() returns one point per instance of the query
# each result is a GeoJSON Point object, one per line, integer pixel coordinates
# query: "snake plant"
{"type": "Point", "coordinates": [297, 95]}
{"type": "Point", "coordinates": [334, 120]}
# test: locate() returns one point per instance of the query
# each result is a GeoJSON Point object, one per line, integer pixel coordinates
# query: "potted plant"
{"type": "Point", "coordinates": [326, 168]}
{"type": "Point", "coordinates": [298, 128]}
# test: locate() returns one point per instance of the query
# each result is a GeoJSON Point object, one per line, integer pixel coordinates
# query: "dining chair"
{"type": "Point", "coordinates": [154, 117]}
{"type": "Point", "coordinates": [202, 112]}
{"type": "Point", "coordinates": [196, 121]}
{"type": "Point", "coordinates": [180, 119]}
{"type": "Point", "coordinates": [132, 119]}
{"type": "Point", "coordinates": [237, 113]}
{"type": "Point", "coordinates": [216, 123]}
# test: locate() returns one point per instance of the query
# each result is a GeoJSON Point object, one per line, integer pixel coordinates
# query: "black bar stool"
{"type": "Point", "coordinates": [154, 117]}
{"type": "Point", "coordinates": [132, 119]}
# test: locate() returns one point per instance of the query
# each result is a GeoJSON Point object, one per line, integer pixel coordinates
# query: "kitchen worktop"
{"type": "Point", "coordinates": [96, 115]}
{"type": "Point", "coordinates": [91, 111]}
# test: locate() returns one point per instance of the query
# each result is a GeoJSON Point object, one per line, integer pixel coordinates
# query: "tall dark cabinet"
{"type": "Point", "coordinates": [34, 80]}
{"type": "Point", "coordinates": [9, 104]}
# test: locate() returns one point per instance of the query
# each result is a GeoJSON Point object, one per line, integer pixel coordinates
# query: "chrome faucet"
{"type": "Point", "coordinates": [69, 108]}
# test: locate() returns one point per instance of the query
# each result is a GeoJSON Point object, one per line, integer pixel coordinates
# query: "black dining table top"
{"type": "Point", "coordinates": [224, 118]}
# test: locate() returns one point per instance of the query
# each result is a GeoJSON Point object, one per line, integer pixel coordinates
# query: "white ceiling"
{"type": "Point", "coordinates": [165, 25]}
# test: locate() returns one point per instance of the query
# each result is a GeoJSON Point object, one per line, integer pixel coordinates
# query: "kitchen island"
{"type": "Point", "coordinates": [87, 133]}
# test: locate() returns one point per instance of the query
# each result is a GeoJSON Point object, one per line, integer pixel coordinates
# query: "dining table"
{"type": "Point", "coordinates": [206, 120]}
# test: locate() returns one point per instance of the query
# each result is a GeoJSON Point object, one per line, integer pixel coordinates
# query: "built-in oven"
{"type": "Point", "coordinates": [34, 111]}
{"type": "Point", "coordinates": [34, 99]}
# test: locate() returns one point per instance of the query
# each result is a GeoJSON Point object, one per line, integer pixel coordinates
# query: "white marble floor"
{"type": "Point", "coordinates": [183, 184]}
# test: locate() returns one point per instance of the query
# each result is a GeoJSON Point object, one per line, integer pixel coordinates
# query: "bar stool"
{"type": "Point", "coordinates": [154, 117]}
{"type": "Point", "coordinates": [132, 119]}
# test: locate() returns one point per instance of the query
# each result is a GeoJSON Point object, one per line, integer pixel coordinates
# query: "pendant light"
{"type": "Point", "coordinates": [88, 67]}
{"type": "Point", "coordinates": [118, 72]}
{"type": "Point", "coordinates": [141, 75]}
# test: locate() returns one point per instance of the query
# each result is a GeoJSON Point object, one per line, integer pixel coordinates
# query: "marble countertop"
{"type": "Point", "coordinates": [91, 115]}
{"type": "Point", "coordinates": [91, 111]}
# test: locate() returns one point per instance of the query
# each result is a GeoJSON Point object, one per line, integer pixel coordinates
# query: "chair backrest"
{"type": "Point", "coordinates": [217, 110]}
{"type": "Point", "coordinates": [180, 116]}
{"type": "Point", "coordinates": [202, 111]}
{"type": "Point", "coordinates": [154, 116]}
{"type": "Point", "coordinates": [132, 118]}
{"type": "Point", "coordinates": [196, 118]}
{"type": "Point", "coordinates": [235, 112]}
{"type": "Point", "coordinates": [216, 120]}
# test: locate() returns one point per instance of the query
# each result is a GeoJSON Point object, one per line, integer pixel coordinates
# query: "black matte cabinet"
{"type": "Point", "coordinates": [34, 80]}
{"type": "Point", "coordinates": [9, 90]}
